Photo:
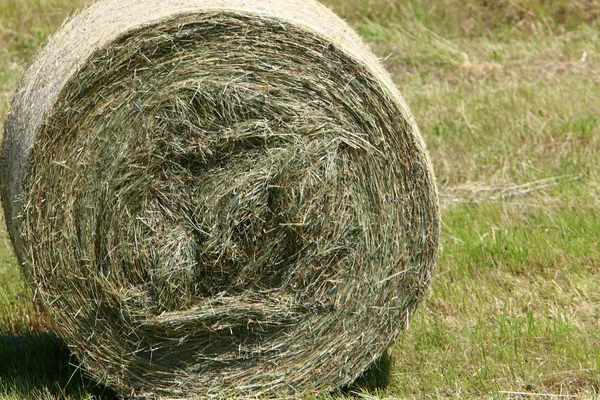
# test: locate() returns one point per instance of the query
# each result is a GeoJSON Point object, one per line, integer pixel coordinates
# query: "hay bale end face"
{"type": "Point", "coordinates": [218, 197]}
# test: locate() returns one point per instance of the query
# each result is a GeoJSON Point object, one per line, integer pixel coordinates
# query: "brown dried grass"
{"type": "Point", "coordinates": [218, 197]}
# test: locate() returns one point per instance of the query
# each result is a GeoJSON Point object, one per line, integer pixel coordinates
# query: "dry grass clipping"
{"type": "Point", "coordinates": [218, 197]}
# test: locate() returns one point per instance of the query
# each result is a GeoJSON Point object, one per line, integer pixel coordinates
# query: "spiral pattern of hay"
{"type": "Point", "coordinates": [218, 197]}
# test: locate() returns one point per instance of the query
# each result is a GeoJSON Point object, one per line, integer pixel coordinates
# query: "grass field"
{"type": "Point", "coordinates": [507, 95]}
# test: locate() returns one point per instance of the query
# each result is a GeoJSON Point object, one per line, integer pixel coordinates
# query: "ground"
{"type": "Point", "coordinates": [506, 94]}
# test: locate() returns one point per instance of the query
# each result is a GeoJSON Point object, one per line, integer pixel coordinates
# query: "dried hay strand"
{"type": "Point", "coordinates": [218, 197]}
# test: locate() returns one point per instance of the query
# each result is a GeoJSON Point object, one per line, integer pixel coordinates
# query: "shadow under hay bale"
{"type": "Point", "coordinates": [40, 363]}
{"type": "Point", "coordinates": [217, 198]}
{"type": "Point", "coordinates": [376, 377]}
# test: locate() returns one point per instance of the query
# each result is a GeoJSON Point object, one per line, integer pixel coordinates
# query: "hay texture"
{"type": "Point", "coordinates": [218, 197]}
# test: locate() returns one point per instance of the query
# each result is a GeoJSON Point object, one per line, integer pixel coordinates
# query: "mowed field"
{"type": "Point", "coordinates": [507, 96]}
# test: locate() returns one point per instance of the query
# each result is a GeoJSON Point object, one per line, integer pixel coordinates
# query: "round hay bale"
{"type": "Point", "coordinates": [218, 197]}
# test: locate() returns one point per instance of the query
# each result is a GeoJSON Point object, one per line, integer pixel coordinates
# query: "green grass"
{"type": "Point", "coordinates": [507, 96]}
{"type": "Point", "coordinates": [514, 308]}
